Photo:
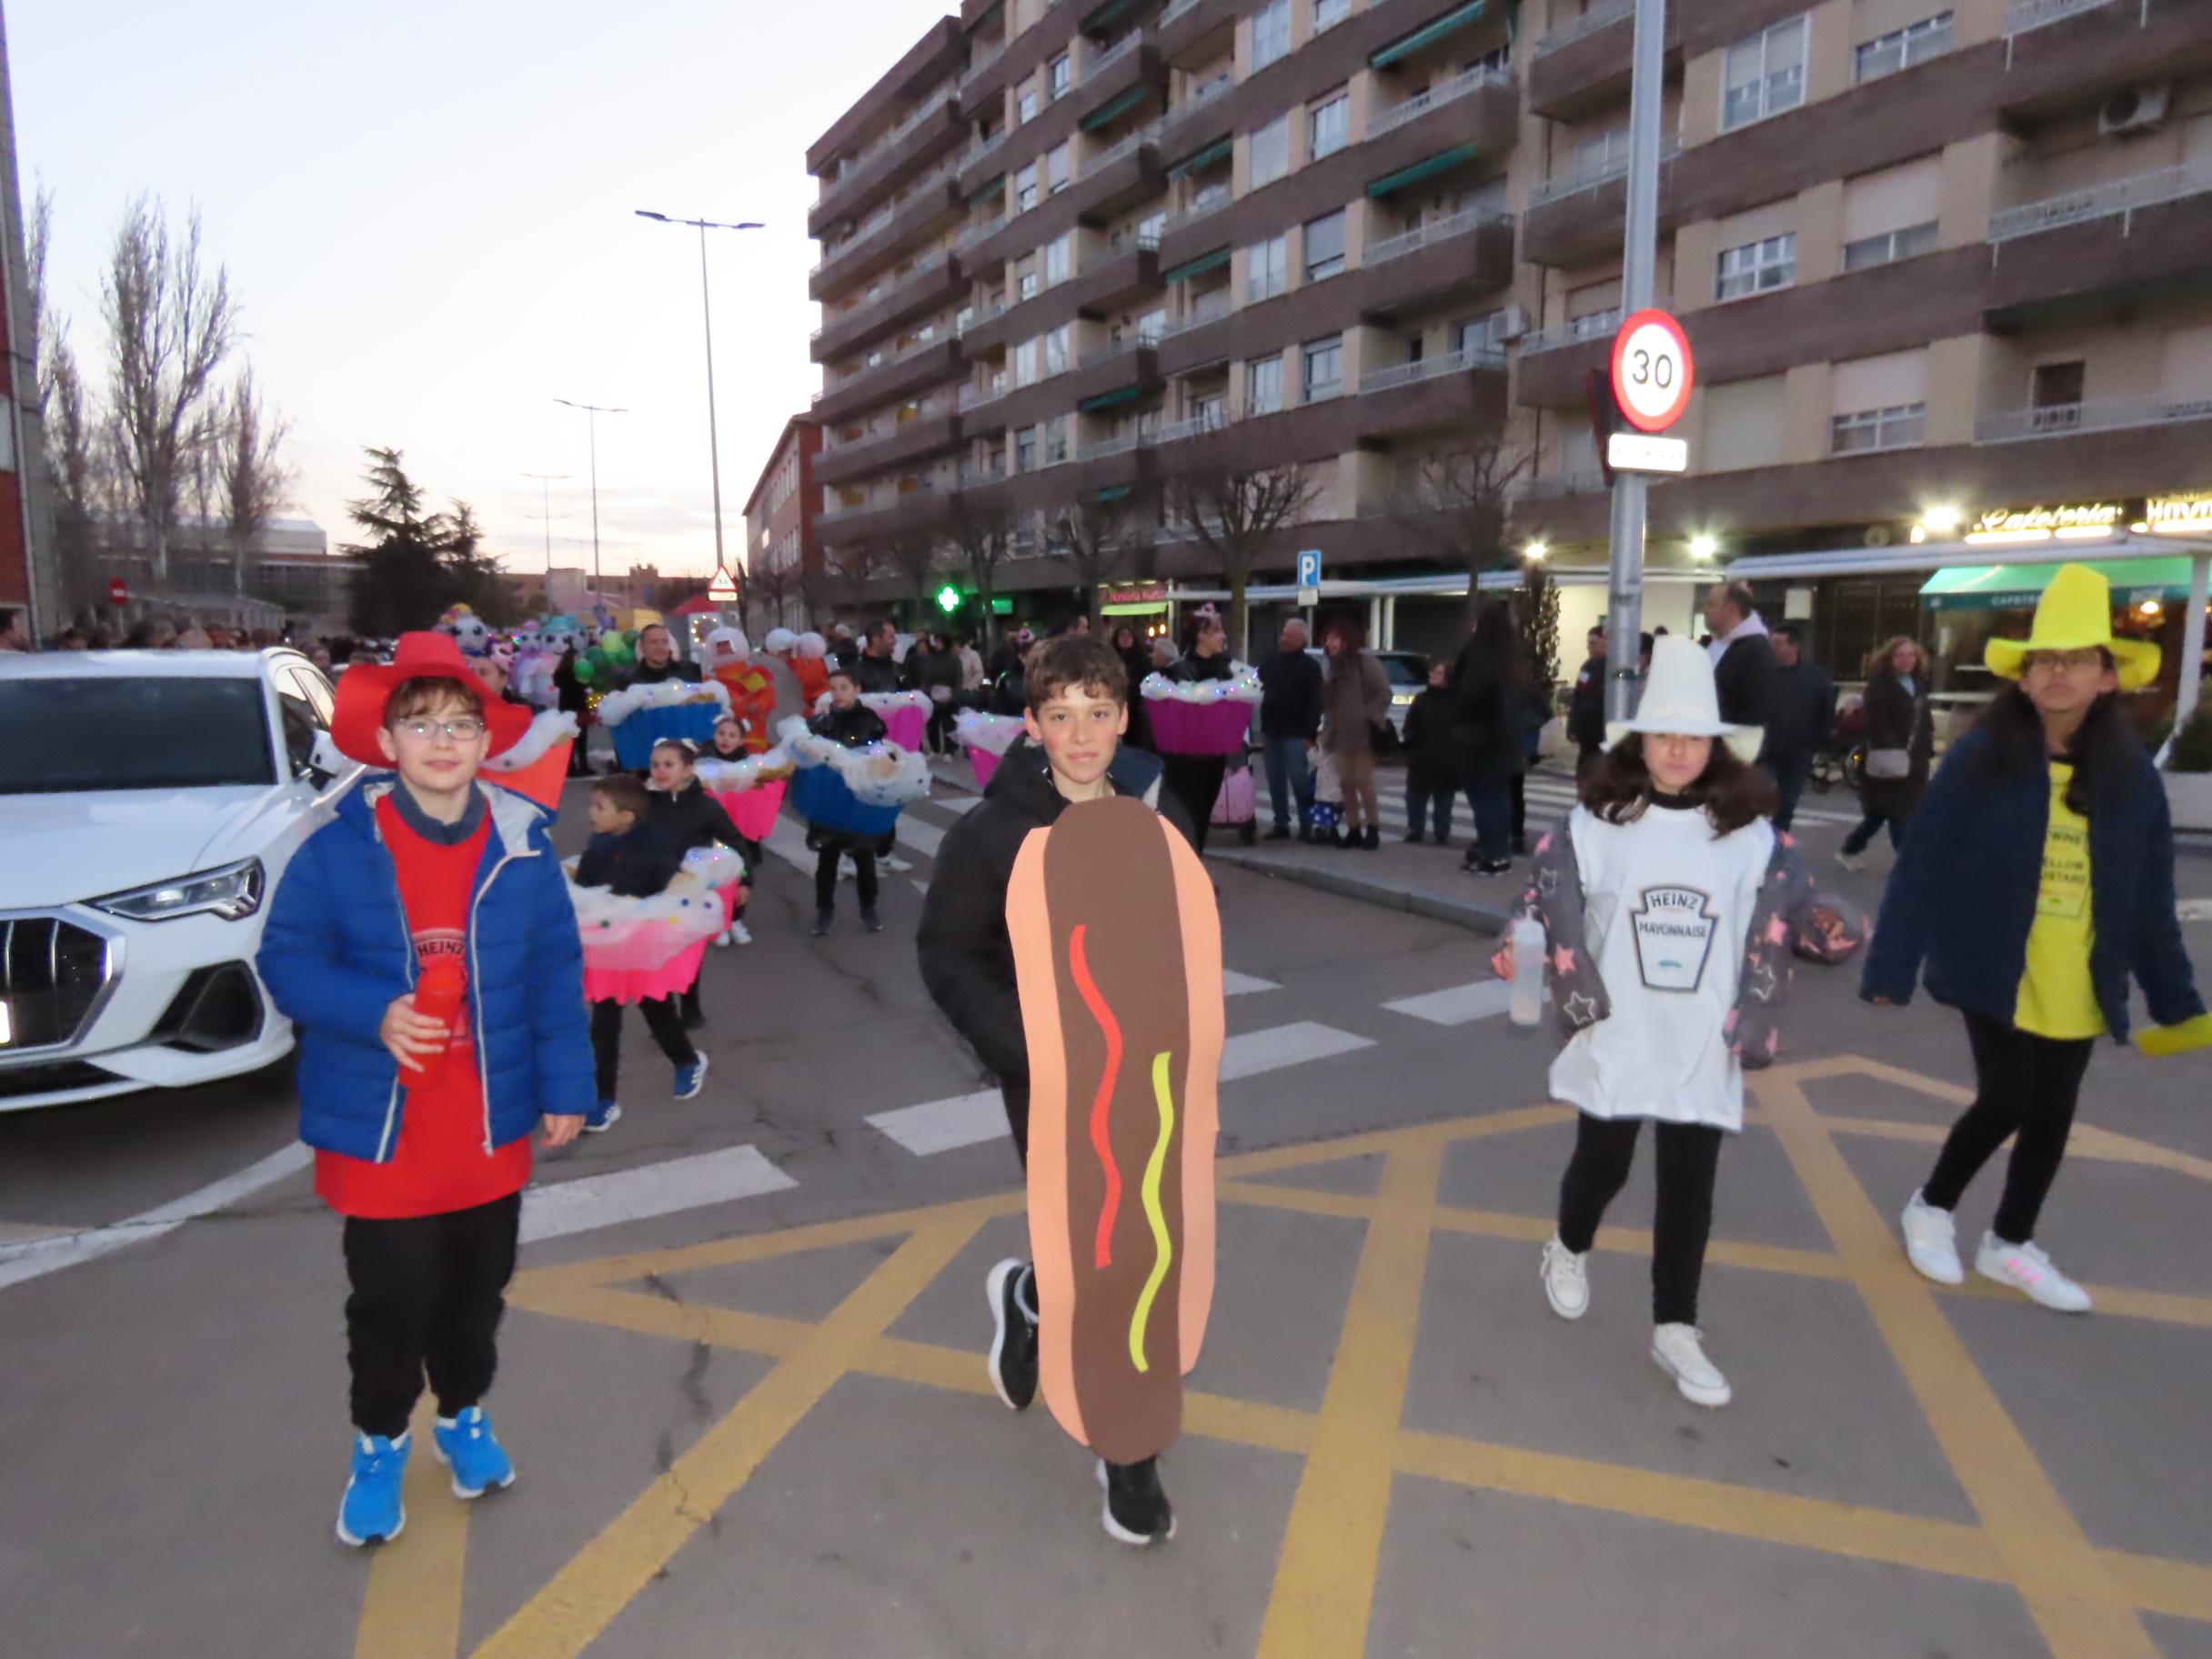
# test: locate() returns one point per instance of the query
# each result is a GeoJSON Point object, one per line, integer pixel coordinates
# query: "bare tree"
{"type": "Point", "coordinates": [915, 557]}
{"type": "Point", "coordinates": [77, 460]}
{"type": "Point", "coordinates": [252, 480]}
{"type": "Point", "coordinates": [1099, 539]}
{"type": "Point", "coordinates": [981, 538]}
{"type": "Point", "coordinates": [856, 566]}
{"type": "Point", "coordinates": [768, 592]}
{"type": "Point", "coordinates": [171, 323]}
{"type": "Point", "coordinates": [1455, 505]}
{"type": "Point", "coordinates": [813, 586]}
{"type": "Point", "coordinates": [1237, 509]}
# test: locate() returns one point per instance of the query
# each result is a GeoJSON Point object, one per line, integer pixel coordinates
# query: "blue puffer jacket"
{"type": "Point", "coordinates": [1963, 896]}
{"type": "Point", "coordinates": [337, 950]}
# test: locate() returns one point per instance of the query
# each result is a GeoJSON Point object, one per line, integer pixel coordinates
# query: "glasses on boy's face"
{"type": "Point", "coordinates": [466, 728]}
{"type": "Point", "coordinates": [2066, 662]}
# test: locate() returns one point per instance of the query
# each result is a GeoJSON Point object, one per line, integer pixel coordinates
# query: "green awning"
{"type": "Point", "coordinates": [1198, 267]}
{"type": "Point", "coordinates": [2018, 587]}
{"type": "Point", "coordinates": [1428, 34]}
{"type": "Point", "coordinates": [1114, 108]}
{"type": "Point", "coordinates": [1159, 608]}
{"type": "Point", "coordinates": [996, 187]}
{"type": "Point", "coordinates": [1204, 159]}
{"type": "Point", "coordinates": [1113, 492]}
{"type": "Point", "coordinates": [1106, 400]}
{"type": "Point", "coordinates": [1459, 156]}
{"type": "Point", "coordinates": [1113, 11]}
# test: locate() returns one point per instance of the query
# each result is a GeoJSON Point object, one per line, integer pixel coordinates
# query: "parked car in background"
{"type": "Point", "coordinates": [149, 803]}
{"type": "Point", "coordinates": [1407, 671]}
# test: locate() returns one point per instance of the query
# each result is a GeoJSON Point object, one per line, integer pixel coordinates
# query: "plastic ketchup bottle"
{"type": "Point", "coordinates": [437, 996]}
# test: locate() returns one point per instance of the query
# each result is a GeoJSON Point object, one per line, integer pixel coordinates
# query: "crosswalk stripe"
{"type": "Point", "coordinates": [592, 1201]}
{"type": "Point", "coordinates": [923, 838]}
{"type": "Point", "coordinates": [1456, 1004]}
{"type": "Point", "coordinates": [969, 1120]}
{"type": "Point", "coordinates": [959, 804]}
{"type": "Point", "coordinates": [1236, 984]}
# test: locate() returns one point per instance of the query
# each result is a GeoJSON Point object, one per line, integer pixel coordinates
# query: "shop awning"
{"type": "Point", "coordinates": [1204, 159]}
{"type": "Point", "coordinates": [1114, 108]}
{"type": "Point", "coordinates": [1113, 492]}
{"type": "Point", "coordinates": [1428, 34]}
{"type": "Point", "coordinates": [1459, 156]}
{"type": "Point", "coordinates": [1198, 267]}
{"type": "Point", "coordinates": [2018, 587]}
{"type": "Point", "coordinates": [1157, 608]}
{"type": "Point", "coordinates": [1106, 400]}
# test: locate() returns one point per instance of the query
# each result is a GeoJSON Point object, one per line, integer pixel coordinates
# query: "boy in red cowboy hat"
{"type": "Point", "coordinates": [424, 943]}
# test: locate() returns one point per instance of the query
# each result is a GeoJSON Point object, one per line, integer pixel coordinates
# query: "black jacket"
{"type": "Point", "coordinates": [1290, 695]}
{"type": "Point", "coordinates": [854, 727]}
{"type": "Point", "coordinates": [1432, 764]}
{"type": "Point", "coordinates": [637, 864]}
{"type": "Point", "coordinates": [967, 956]}
{"type": "Point", "coordinates": [1898, 718]}
{"type": "Point", "coordinates": [573, 696]}
{"type": "Point", "coordinates": [1192, 669]}
{"type": "Point", "coordinates": [1804, 710]}
{"type": "Point", "coordinates": [676, 668]}
{"type": "Point", "coordinates": [1487, 716]}
{"type": "Point", "coordinates": [879, 674]}
{"type": "Point", "coordinates": [927, 668]}
{"type": "Point", "coordinates": [1586, 705]}
{"type": "Point", "coordinates": [692, 817]}
{"type": "Point", "coordinates": [1744, 680]}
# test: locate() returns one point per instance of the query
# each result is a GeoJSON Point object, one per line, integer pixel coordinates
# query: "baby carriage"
{"type": "Point", "coordinates": [1237, 806]}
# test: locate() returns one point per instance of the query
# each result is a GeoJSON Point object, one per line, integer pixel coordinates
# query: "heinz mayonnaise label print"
{"type": "Point", "coordinates": [1675, 929]}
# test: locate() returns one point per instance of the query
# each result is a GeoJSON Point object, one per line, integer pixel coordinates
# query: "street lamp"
{"type": "Point", "coordinates": [592, 411]}
{"type": "Point", "coordinates": [714, 452]}
{"type": "Point", "coordinates": [547, 480]}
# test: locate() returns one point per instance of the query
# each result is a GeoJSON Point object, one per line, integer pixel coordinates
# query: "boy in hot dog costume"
{"type": "Point", "coordinates": [1076, 948]}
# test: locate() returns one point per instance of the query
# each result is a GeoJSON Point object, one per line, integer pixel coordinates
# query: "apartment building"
{"type": "Point", "coordinates": [783, 559]}
{"type": "Point", "coordinates": [1076, 251]}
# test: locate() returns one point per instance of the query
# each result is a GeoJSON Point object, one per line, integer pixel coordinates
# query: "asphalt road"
{"type": "Point", "coordinates": [741, 1374]}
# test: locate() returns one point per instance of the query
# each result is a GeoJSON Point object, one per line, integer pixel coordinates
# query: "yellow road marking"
{"type": "Point", "coordinates": [2088, 1141]}
{"type": "Point", "coordinates": [413, 1603]}
{"type": "Point", "coordinates": [2073, 1597]}
{"type": "Point", "coordinates": [568, 1615]}
{"type": "Point", "coordinates": [1332, 1547]}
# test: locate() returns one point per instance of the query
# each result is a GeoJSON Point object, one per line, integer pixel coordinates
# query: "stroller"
{"type": "Point", "coordinates": [1237, 806]}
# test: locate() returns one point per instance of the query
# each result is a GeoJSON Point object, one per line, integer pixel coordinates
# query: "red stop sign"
{"type": "Point", "coordinates": [118, 590]}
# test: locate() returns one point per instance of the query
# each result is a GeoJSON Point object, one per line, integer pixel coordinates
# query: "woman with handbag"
{"type": "Point", "coordinates": [1355, 712]}
{"type": "Point", "coordinates": [1900, 747]}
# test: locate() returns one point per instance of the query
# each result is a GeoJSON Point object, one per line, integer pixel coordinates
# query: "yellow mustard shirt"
{"type": "Point", "coordinates": [2058, 996]}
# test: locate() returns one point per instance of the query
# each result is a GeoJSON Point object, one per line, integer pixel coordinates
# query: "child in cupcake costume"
{"type": "Point", "coordinates": [1667, 902]}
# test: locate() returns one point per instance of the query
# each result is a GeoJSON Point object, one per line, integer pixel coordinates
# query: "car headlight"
{"type": "Point", "coordinates": [234, 893]}
{"type": "Point", "coordinates": [1401, 699]}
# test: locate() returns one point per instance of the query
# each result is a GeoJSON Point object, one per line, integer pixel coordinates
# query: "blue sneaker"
{"type": "Point", "coordinates": [371, 1509]}
{"type": "Point", "coordinates": [691, 1079]}
{"type": "Point", "coordinates": [468, 1447]}
{"type": "Point", "coordinates": [602, 1118]}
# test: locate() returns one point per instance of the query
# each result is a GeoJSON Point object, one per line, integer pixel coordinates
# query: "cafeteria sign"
{"type": "Point", "coordinates": [2085, 516]}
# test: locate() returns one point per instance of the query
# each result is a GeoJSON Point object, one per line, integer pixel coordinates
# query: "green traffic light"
{"type": "Point", "coordinates": [948, 599]}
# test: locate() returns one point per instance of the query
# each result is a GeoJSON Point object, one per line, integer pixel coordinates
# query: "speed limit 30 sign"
{"type": "Point", "coordinates": [1652, 370]}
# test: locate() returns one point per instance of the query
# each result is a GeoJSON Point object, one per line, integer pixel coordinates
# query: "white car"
{"type": "Point", "coordinates": [149, 802]}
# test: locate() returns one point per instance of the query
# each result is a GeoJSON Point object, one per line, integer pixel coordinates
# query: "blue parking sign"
{"type": "Point", "coordinates": [1309, 567]}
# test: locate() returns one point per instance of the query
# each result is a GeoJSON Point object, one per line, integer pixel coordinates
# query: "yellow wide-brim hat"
{"type": "Point", "coordinates": [2073, 613]}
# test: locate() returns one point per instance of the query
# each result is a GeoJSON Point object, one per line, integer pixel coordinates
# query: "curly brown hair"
{"type": "Point", "coordinates": [1733, 794]}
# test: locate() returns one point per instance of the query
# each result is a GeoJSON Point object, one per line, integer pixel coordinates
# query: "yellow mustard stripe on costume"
{"type": "Point", "coordinates": [2058, 998]}
{"type": "Point", "coordinates": [1163, 1249]}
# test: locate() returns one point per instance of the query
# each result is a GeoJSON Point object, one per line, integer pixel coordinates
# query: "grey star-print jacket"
{"type": "Point", "coordinates": [1553, 897]}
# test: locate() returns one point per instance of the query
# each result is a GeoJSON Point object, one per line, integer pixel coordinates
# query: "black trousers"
{"type": "Point", "coordinates": [661, 1017]}
{"type": "Point", "coordinates": [824, 874]}
{"type": "Point", "coordinates": [2026, 1086]}
{"type": "Point", "coordinates": [1518, 788]}
{"type": "Point", "coordinates": [1017, 1098]}
{"type": "Point", "coordinates": [427, 1292]}
{"type": "Point", "coordinates": [1689, 1158]}
{"type": "Point", "coordinates": [1196, 780]}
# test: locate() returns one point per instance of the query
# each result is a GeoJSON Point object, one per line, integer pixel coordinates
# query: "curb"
{"type": "Point", "coordinates": [1479, 918]}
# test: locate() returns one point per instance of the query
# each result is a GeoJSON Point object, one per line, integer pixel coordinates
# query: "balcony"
{"type": "Point", "coordinates": [1120, 80]}
{"type": "Point", "coordinates": [1474, 250]}
{"type": "Point", "coordinates": [1186, 24]}
{"type": "Point", "coordinates": [1119, 178]}
{"type": "Point", "coordinates": [1443, 92]}
{"type": "Point", "coordinates": [2141, 235]}
{"type": "Point", "coordinates": [1124, 273]}
{"type": "Point", "coordinates": [979, 163]}
{"type": "Point", "coordinates": [1553, 371]}
{"type": "Point", "coordinates": [921, 138]}
{"type": "Point", "coordinates": [935, 281]}
{"type": "Point", "coordinates": [1558, 486]}
{"type": "Point", "coordinates": [915, 367]}
{"type": "Point", "coordinates": [1585, 64]}
{"type": "Point", "coordinates": [1130, 368]}
{"type": "Point", "coordinates": [882, 238]}
{"type": "Point", "coordinates": [2026, 16]}
{"type": "Point", "coordinates": [974, 234]}
{"type": "Point", "coordinates": [1597, 326]}
{"type": "Point", "coordinates": [2101, 415]}
{"type": "Point", "coordinates": [928, 434]}
{"type": "Point", "coordinates": [923, 507]}
{"type": "Point", "coordinates": [1182, 124]}
{"type": "Point", "coordinates": [1574, 218]}
{"type": "Point", "coordinates": [1446, 389]}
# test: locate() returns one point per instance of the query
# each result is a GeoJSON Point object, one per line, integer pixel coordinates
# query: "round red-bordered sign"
{"type": "Point", "coordinates": [1653, 370]}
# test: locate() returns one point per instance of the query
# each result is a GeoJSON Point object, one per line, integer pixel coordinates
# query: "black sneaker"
{"type": "Point", "coordinates": [1012, 1289]}
{"type": "Point", "coordinates": [1305, 834]}
{"type": "Point", "coordinates": [822, 920]}
{"type": "Point", "coordinates": [1281, 832]}
{"type": "Point", "coordinates": [1412, 837]}
{"type": "Point", "coordinates": [1136, 1509]}
{"type": "Point", "coordinates": [871, 922]}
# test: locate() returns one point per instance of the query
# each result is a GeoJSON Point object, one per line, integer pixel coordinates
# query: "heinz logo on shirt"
{"type": "Point", "coordinates": [1674, 928]}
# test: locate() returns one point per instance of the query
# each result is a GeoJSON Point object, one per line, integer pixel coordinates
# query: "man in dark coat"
{"type": "Point", "coordinates": [1804, 720]}
{"type": "Point", "coordinates": [1742, 657]}
{"type": "Point", "coordinates": [876, 670]}
{"type": "Point", "coordinates": [657, 659]}
{"type": "Point", "coordinates": [1289, 721]}
{"type": "Point", "coordinates": [1586, 707]}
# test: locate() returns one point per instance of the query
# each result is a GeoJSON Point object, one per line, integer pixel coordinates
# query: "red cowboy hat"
{"type": "Point", "coordinates": [364, 691]}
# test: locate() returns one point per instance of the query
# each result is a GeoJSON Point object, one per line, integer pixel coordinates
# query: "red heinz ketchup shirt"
{"type": "Point", "coordinates": [440, 1163]}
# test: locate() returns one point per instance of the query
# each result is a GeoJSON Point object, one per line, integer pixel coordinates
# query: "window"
{"type": "Point", "coordinates": [1270, 151]}
{"type": "Point", "coordinates": [1262, 386]}
{"type": "Point", "coordinates": [2055, 394]}
{"type": "Point", "coordinates": [1328, 13]}
{"type": "Point", "coordinates": [1764, 74]}
{"type": "Point", "coordinates": [1892, 215]}
{"type": "Point", "coordinates": [1889, 246]}
{"type": "Point", "coordinates": [1901, 427]}
{"type": "Point", "coordinates": [1058, 259]}
{"type": "Point", "coordinates": [1025, 449]}
{"type": "Point", "coordinates": [1325, 245]}
{"type": "Point", "coordinates": [1150, 228]}
{"type": "Point", "coordinates": [1059, 168]}
{"type": "Point", "coordinates": [1025, 188]}
{"type": "Point", "coordinates": [1153, 325]}
{"type": "Point", "coordinates": [1059, 349]}
{"type": "Point", "coordinates": [1211, 410]}
{"type": "Point", "coordinates": [1267, 270]}
{"type": "Point", "coordinates": [1744, 425]}
{"type": "Point", "coordinates": [1061, 76]}
{"type": "Point", "coordinates": [1055, 433]}
{"type": "Point", "coordinates": [1026, 283]}
{"type": "Point", "coordinates": [1027, 355]}
{"type": "Point", "coordinates": [1324, 368]}
{"type": "Point", "coordinates": [1271, 33]}
{"type": "Point", "coordinates": [1025, 111]}
{"type": "Point", "coordinates": [1901, 48]}
{"type": "Point", "coordinates": [1329, 127]}
{"type": "Point", "coordinates": [1879, 403]}
{"type": "Point", "coordinates": [1480, 333]}
{"type": "Point", "coordinates": [1758, 267]}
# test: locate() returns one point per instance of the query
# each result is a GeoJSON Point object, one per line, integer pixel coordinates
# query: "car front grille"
{"type": "Point", "coordinates": [52, 975]}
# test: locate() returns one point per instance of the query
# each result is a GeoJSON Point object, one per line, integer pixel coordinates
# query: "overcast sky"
{"type": "Point", "coordinates": [425, 206]}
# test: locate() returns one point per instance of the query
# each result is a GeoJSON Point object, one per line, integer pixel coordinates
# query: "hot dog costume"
{"type": "Point", "coordinates": [1118, 951]}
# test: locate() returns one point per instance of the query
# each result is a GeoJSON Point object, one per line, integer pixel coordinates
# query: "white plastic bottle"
{"type": "Point", "coordinates": [1525, 1005]}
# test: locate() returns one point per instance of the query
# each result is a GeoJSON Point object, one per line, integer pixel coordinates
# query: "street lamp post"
{"type": "Point", "coordinates": [714, 451]}
{"type": "Point", "coordinates": [547, 480]}
{"type": "Point", "coordinates": [592, 411]}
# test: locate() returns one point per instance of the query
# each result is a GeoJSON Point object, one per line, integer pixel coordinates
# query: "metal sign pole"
{"type": "Point", "coordinates": [1639, 251]}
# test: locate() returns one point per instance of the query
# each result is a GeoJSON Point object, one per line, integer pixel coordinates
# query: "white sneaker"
{"type": "Point", "coordinates": [1931, 1240]}
{"type": "Point", "coordinates": [739, 934]}
{"type": "Point", "coordinates": [1566, 1280]}
{"type": "Point", "coordinates": [2027, 1269]}
{"type": "Point", "coordinates": [1850, 860]}
{"type": "Point", "coordinates": [1679, 1350]}
{"type": "Point", "coordinates": [892, 862]}
{"type": "Point", "coordinates": [722, 938]}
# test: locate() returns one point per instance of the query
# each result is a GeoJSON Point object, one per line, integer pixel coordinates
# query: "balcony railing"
{"type": "Point", "coordinates": [976, 233]}
{"type": "Point", "coordinates": [1590, 178]}
{"type": "Point", "coordinates": [976, 153]}
{"type": "Point", "coordinates": [1106, 448]}
{"type": "Point", "coordinates": [2116, 198]}
{"type": "Point", "coordinates": [1211, 309]}
{"type": "Point", "coordinates": [975, 316]}
{"type": "Point", "coordinates": [916, 487]}
{"type": "Point", "coordinates": [989, 470]}
{"type": "Point", "coordinates": [975, 396]}
{"type": "Point", "coordinates": [881, 305]}
{"type": "Point", "coordinates": [1113, 54]}
{"type": "Point", "coordinates": [991, 55]}
{"type": "Point", "coordinates": [1208, 205]}
{"type": "Point", "coordinates": [1430, 369]}
{"type": "Point", "coordinates": [1465, 85]}
{"type": "Point", "coordinates": [865, 162]}
{"type": "Point", "coordinates": [1178, 9]}
{"type": "Point", "coordinates": [1596, 326]}
{"type": "Point", "coordinates": [2026, 16]}
{"type": "Point", "coordinates": [860, 375]}
{"type": "Point", "coordinates": [1215, 89]}
{"type": "Point", "coordinates": [1436, 230]}
{"type": "Point", "coordinates": [1128, 146]}
{"type": "Point", "coordinates": [1557, 486]}
{"type": "Point", "coordinates": [2103, 415]}
{"type": "Point", "coordinates": [1597, 17]}
{"type": "Point", "coordinates": [1175, 431]}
